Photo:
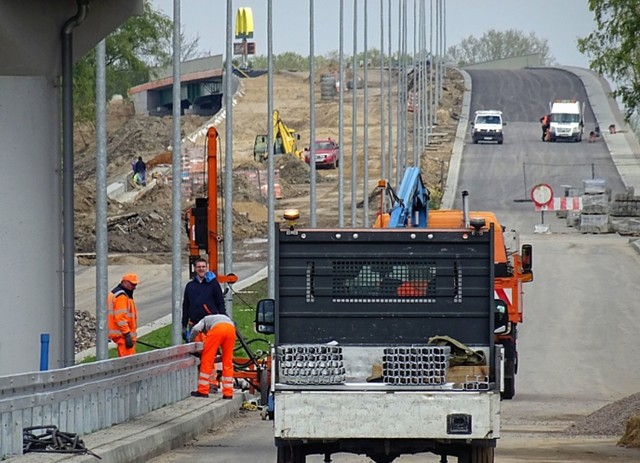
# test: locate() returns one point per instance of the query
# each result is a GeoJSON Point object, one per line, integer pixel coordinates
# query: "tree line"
{"type": "Point", "coordinates": [144, 43]}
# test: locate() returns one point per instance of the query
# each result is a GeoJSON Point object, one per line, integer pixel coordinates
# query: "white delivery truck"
{"type": "Point", "coordinates": [487, 126]}
{"type": "Point", "coordinates": [567, 120]}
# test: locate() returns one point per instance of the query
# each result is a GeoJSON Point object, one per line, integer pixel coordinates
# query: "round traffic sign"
{"type": "Point", "coordinates": [542, 194]}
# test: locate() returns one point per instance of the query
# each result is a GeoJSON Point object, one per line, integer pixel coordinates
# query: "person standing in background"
{"type": "Point", "coordinates": [122, 315]}
{"type": "Point", "coordinates": [140, 170]}
{"type": "Point", "coordinates": [202, 296]}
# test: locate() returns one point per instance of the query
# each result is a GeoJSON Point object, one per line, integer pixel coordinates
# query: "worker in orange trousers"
{"type": "Point", "coordinates": [122, 315]}
{"type": "Point", "coordinates": [220, 333]}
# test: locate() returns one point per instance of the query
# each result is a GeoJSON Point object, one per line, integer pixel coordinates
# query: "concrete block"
{"type": "Point", "coordinates": [115, 190]}
{"type": "Point", "coordinates": [594, 223]}
{"type": "Point", "coordinates": [625, 225]}
{"type": "Point", "coordinates": [635, 244]}
{"type": "Point", "coordinates": [596, 203]}
{"type": "Point", "coordinates": [625, 208]}
{"type": "Point", "coordinates": [595, 185]}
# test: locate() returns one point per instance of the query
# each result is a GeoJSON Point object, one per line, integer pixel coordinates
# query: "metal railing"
{"type": "Point", "coordinates": [87, 398]}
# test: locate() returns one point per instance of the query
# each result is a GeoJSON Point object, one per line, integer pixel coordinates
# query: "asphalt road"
{"type": "Point", "coordinates": [153, 294]}
{"type": "Point", "coordinates": [579, 341]}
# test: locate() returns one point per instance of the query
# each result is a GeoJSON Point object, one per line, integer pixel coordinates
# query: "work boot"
{"type": "Point", "coordinates": [199, 394]}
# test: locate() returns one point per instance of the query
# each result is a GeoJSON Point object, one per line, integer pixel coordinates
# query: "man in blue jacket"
{"type": "Point", "coordinates": [202, 296]}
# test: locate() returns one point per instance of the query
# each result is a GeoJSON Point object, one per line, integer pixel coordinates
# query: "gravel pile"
{"type": "Point", "coordinates": [85, 331]}
{"type": "Point", "coordinates": [609, 420]}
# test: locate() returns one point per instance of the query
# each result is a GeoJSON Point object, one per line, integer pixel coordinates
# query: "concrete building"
{"type": "Point", "coordinates": [200, 92]}
{"type": "Point", "coordinates": [36, 38]}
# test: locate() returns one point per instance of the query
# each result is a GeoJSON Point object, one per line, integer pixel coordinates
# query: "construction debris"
{"type": "Point", "coordinates": [49, 439]}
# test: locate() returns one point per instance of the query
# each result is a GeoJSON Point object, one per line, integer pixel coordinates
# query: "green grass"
{"type": "Point", "coordinates": [244, 311]}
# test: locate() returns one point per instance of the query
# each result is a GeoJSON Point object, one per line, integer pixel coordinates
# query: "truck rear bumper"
{"type": "Point", "coordinates": [330, 415]}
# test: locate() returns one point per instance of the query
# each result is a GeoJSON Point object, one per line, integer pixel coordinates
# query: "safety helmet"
{"type": "Point", "coordinates": [131, 278]}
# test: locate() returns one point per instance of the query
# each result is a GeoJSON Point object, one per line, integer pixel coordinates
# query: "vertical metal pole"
{"type": "Point", "coordinates": [383, 154]}
{"type": "Point", "coordinates": [431, 70]}
{"type": "Point", "coordinates": [414, 84]}
{"type": "Point", "coordinates": [176, 190]}
{"type": "Point", "coordinates": [440, 52]}
{"type": "Point", "coordinates": [438, 62]}
{"type": "Point", "coordinates": [524, 174]}
{"type": "Point", "coordinates": [228, 157]}
{"type": "Point", "coordinates": [312, 117]}
{"type": "Point", "coordinates": [399, 144]}
{"type": "Point", "coordinates": [341, 122]}
{"type": "Point", "coordinates": [423, 80]}
{"type": "Point", "coordinates": [102, 246]}
{"type": "Point", "coordinates": [68, 220]}
{"type": "Point", "coordinates": [354, 116]}
{"type": "Point", "coordinates": [390, 110]}
{"type": "Point", "coordinates": [365, 129]}
{"type": "Point", "coordinates": [442, 49]}
{"type": "Point", "coordinates": [271, 207]}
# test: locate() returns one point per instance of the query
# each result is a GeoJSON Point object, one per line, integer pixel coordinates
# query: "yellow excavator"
{"type": "Point", "coordinates": [285, 141]}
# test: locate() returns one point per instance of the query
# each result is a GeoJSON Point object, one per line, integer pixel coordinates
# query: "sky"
{"type": "Point", "coordinates": [560, 22]}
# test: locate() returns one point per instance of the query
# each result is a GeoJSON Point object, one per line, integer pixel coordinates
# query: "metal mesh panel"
{"type": "Point", "coordinates": [415, 365]}
{"type": "Point", "coordinates": [310, 364]}
{"type": "Point", "coordinates": [406, 281]}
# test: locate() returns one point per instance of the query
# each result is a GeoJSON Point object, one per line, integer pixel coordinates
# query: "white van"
{"type": "Point", "coordinates": [487, 126]}
{"type": "Point", "coordinates": [567, 121]}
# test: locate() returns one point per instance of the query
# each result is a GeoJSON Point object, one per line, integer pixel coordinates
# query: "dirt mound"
{"type": "Point", "coordinates": [609, 420]}
{"type": "Point", "coordinates": [145, 226]}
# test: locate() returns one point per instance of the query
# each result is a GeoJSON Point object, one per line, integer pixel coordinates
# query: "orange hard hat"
{"type": "Point", "coordinates": [131, 278]}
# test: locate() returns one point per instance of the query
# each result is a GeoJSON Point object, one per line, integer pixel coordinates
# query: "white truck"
{"type": "Point", "coordinates": [352, 369]}
{"type": "Point", "coordinates": [487, 126]}
{"type": "Point", "coordinates": [567, 120]}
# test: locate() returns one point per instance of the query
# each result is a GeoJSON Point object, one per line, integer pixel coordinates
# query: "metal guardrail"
{"type": "Point", "coordinates": [87, 398]}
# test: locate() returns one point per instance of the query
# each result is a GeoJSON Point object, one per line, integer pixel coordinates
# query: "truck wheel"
{"type": "Point", "coordinates": [291, 454]}
{"type": "Point", "coordinates": [475, 142]}
{"type": "Point", "coordinates": [509, 379]}
{"type": "Point", "coordinates": [499, 142]}
{"type": "Point", "coordinates": [264, 388]}
{"type": "Point", "coordinates": [478, 455]}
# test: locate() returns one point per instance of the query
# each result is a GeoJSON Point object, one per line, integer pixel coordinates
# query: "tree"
{"type": "Point", "coordinates": [133, 50]}
{"type": "Point", "coordinates": [614, 48]}
{"type": "Point", "coordinates": [495, 45]}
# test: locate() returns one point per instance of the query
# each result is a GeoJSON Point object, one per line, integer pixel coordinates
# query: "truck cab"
{"type": "Point", "coordinates": [487, 126]}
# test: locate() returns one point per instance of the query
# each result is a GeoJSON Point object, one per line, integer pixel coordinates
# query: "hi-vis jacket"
{"type": "Point", "coordinates": [122, 314]}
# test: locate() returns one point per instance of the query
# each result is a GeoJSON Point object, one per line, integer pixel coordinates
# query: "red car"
{"type": "Point", "coordinates": [327, 153]}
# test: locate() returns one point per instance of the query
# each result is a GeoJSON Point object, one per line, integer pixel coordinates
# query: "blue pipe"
{"type": "Point", "coordinates": [44, 351]}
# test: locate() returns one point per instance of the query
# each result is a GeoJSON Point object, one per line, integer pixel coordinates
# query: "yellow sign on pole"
{"type": "Point", "coordinates": [244, 23]}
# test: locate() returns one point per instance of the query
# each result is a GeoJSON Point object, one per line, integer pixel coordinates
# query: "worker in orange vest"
{"type": "Point", "coordinates": [123, 315]}
{"type": "Point", "coordinates": [545, 122]}
{"type": "Point", "coordinates": [220, 332]}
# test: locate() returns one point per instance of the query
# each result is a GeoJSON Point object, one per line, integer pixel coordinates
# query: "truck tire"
{"type": "Point", "coordinates": [478, 455]}
{"type": "Point", "coordinates": [509, 379]}
{"type": "Point", "coordinates": [291, 454]}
